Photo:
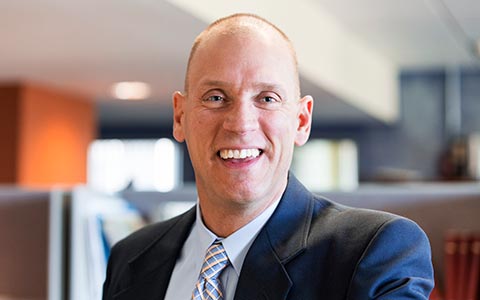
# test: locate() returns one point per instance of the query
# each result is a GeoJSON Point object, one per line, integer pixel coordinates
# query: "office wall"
{"type": "Point", "coordinates": [46, 135]}
{"type": "Point", "coordinates": [417, 140]}
{"type": "Point", "coordinates": [56, 130]}
{"type": "Point", "coordinates": [471, 101]}
{"type": "Point", "coordinates": [8, 132]}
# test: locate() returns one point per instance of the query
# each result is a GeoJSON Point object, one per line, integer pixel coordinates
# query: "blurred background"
{"type": "Point", "coordinates": [85, 121]}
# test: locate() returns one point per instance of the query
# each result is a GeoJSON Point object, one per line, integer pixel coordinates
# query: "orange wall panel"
{"type": "Point", "coordinates": [55, 131]}
{"type": "Point", "coordinates": [8, 133]}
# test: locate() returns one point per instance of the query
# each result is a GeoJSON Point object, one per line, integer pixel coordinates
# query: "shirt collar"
{"type": "Point", "coordinates": [238, 243]}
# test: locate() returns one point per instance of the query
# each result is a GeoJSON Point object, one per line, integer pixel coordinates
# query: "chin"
{"type": "Point", "coordinates": [244, 196]}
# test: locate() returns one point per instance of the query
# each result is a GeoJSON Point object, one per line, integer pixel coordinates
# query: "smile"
{"type": "Point", "coordinates": [239, 153]}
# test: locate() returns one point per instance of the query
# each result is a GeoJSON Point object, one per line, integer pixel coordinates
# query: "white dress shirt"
{"type": "Point", "coordinates": [187, 269]}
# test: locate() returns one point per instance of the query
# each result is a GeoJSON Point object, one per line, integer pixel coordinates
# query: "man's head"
{"type": "Point", "coordinates": [241, 113]}
{"type": "Point", "coordinates": [237, 23]}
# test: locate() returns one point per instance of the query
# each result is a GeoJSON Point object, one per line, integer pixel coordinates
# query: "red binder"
{"type": "Point", "coordinates": [474, 270]}
{"type": "Point", "coordinates": [451, 264]}
{"type": "Point", "coordinates": [462, 265]}
{"type": "Point", "coordinates": [463, 269]}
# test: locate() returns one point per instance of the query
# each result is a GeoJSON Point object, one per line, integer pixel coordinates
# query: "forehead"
{"type": "Point", "coordinates": [254, 55]}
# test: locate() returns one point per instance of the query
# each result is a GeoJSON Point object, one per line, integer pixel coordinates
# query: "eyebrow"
{"type": "Point", "coordinates": [265, 86]}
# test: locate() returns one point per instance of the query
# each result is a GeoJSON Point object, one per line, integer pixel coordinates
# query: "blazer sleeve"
{"type": "Point", "coordinates": [396, 264]}
{"type": "Point", "coordinates": [106, 284]}
{"type": "Point", "coordinates": [107, 291]}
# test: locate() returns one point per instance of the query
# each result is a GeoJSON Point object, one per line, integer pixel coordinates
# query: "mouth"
{"type": "Point", "coordinates": [249, 153]}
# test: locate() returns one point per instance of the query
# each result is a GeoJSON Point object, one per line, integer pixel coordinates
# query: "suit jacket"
{"type": "Point", "coordinates": [310, 248]}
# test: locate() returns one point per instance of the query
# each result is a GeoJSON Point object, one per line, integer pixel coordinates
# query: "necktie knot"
{"type": "Point", "coordinates": [215, 261]}
{"type": "Point", "coordinates": [209, 286]}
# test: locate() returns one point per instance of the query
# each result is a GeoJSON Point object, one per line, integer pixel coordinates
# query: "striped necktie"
{"type": "Point", "coordinates": [208, 286]}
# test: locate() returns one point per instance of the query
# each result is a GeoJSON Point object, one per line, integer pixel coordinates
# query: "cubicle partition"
{"type": "Point", "coordinates": [55, 244]}
{"type": "Point", "coordinates": [25, 244]}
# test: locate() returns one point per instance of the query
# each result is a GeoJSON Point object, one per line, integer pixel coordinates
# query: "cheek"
{"type": "Point", "coordinates": [200, 127]}
{"type": "Point", "coordinates": [193, 119]}
{"type": "Point", "coordinates": [280, 126]}
{"type": "Point", "coordinates": [280, 133]}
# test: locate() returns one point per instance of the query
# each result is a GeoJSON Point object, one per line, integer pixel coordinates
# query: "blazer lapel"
{"type": "Point", "coordinates": [263, 274]}
{"type": "Point", "coordinates": [152, 268]}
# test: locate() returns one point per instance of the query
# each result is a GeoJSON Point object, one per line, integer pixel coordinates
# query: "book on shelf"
{"type": "Point", "coordinates": [451, 264]}
{"type": "Point", "coordinates": [474, 275]}
{"type": "Point", "coordinates": [462, 265]}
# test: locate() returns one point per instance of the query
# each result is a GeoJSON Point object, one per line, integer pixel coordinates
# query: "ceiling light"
{"type": "Point", "coordinates": [131, 90]}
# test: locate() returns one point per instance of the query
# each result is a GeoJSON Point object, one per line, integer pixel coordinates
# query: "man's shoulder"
{"type": "Point", "coordinates": [356, 223]}
{"type": "Point", "coordinates": [369, 248]}
{"type": "Point", "coordinates": [329, 220]}
{"type": "Point", "coordinates": [331, 209]}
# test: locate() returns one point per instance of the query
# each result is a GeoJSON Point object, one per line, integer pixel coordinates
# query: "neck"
{"type": "Point", "coordinates": [224, 213]}
{"type": "Point", "coordinates": [223, 222]}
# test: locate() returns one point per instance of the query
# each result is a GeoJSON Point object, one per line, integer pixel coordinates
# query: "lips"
{"type": "Point", "coordinates": [239, 153]}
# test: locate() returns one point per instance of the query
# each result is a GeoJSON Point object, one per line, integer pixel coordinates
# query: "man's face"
{"type": "Point", "coordinates": [241, 117]}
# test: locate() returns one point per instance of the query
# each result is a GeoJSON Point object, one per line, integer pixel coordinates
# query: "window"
{"type": "Point", "coordinates": [114, 165]}
{"type": "Point", "coordinates": [327, 164]}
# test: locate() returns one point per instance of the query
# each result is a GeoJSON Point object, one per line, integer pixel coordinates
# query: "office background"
{"type": "Point", "coordinates": [397, 97]}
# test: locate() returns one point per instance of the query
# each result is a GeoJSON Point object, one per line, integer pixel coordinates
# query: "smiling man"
{"type": "Point", "coordinates": [256, 232]}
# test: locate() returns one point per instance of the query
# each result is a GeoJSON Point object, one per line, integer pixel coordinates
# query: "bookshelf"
{"type": "Point", "coordinates": [97, 222]}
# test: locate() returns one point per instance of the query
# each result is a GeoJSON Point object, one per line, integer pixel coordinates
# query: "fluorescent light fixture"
{"type": "Point", "coordinates": [131, 90]}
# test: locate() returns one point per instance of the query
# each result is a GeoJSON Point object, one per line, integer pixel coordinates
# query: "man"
{"type": "Point", "coordinates": [264, 236]}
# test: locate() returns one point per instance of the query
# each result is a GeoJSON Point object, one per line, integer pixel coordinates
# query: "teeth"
{"type": "Point", "coordinates": [239, 154]}
{"type": "Point", "coordinates": [243, 153]}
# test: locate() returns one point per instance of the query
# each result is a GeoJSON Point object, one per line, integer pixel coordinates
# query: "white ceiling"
{"type": "Point", "coordinates": [85, 46]}
{"type": "Point", "coordinates": [414, 33]}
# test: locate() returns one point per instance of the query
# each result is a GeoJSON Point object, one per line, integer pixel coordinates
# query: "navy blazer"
{"type": "Point", "coordinates": [311, 248]}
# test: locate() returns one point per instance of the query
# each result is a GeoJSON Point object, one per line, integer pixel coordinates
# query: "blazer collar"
{"type": "Point", "coordinates": [282, 239]}
{"type": "Point", "coordinates": [263, 274]}
{"type": "Point", "coordinates": [151, 268]}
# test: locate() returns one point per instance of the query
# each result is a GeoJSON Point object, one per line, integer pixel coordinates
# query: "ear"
{"type": "Point", "coordinates": [304, 120]}
{"type": "Point", "coordinates": [178, 103]}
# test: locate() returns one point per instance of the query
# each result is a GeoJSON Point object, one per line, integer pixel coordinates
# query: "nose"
{"type": "Point", "coordinates": [242, 117]}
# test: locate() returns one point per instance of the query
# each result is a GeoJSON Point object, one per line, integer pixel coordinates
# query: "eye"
{"type": "Point", "coordinates": [214, 98]}
{"type": "Point", "coordinates": [269, 99]}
